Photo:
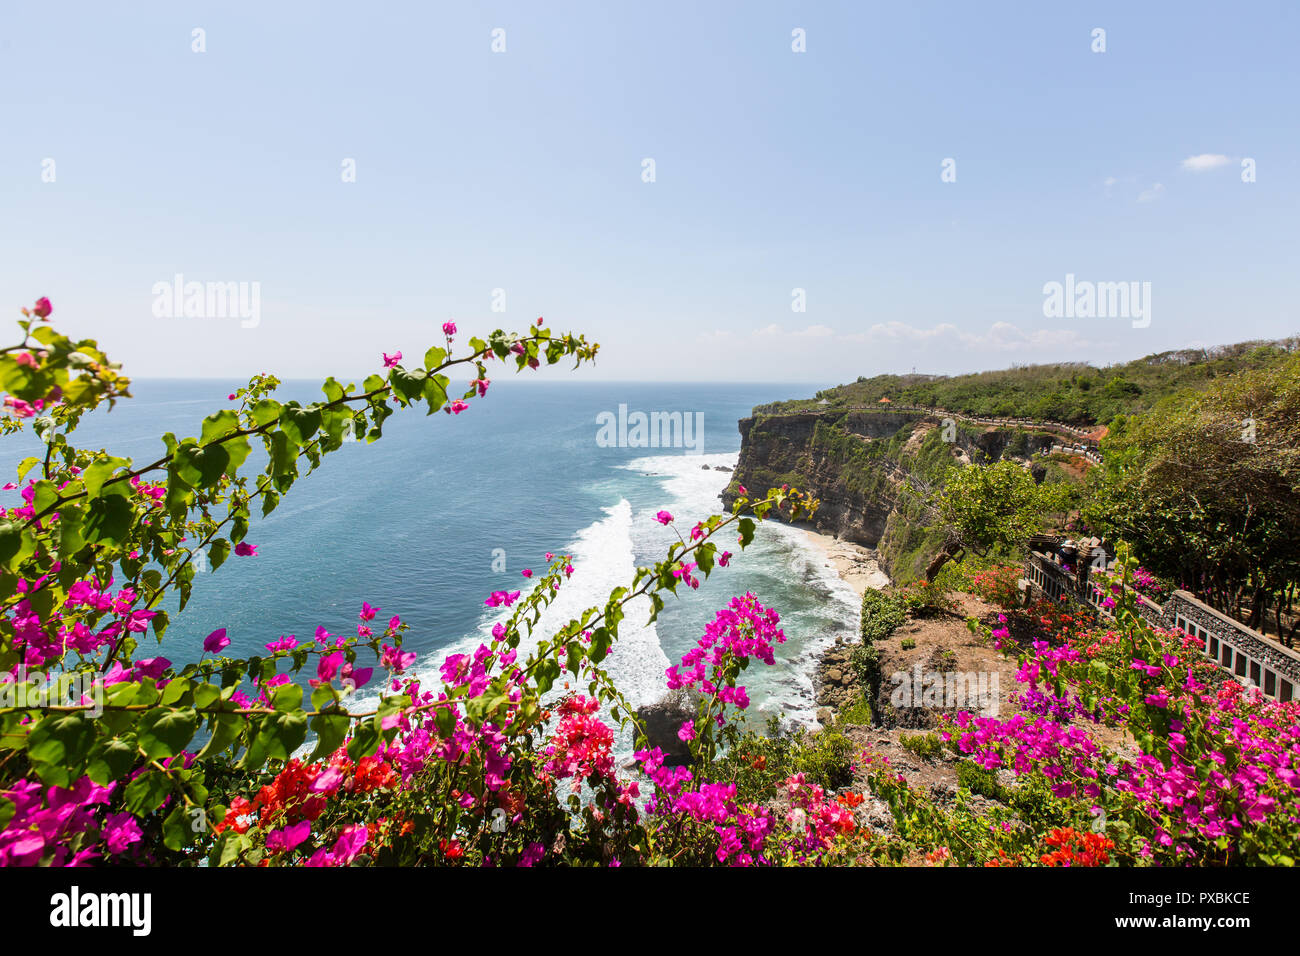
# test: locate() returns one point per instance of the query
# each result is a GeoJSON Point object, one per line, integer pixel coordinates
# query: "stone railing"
{"type": "Point", "coordinates": [1086, 448]}
{"type": "Point", "coordinates": [1243, 652]}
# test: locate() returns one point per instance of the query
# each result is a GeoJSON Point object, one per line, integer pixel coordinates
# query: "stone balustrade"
{"type": "Point", "coordinates": [1243, 652]}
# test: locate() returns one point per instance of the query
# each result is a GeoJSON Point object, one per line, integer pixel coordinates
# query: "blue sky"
{"type": "Point", "coordinates": [774, 170]}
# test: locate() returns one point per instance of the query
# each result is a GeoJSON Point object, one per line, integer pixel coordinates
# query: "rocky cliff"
{"type": "Point", "coordinates": [865, 467]}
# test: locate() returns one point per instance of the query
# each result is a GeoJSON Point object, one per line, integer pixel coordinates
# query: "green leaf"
{"type": "Point", "coordinates": [238, 449]}
{"type": "Point", "coordinates": [108, 520]}
{"type": "Point", "coordinates": [298, 423]}
{"type": "Point", "coordinates": [44, 495]}
{"type": "Point", "coordinates": [177, 833]}
{"type": "Point", "coordinates": [225, 729]}
{"type": "Point", "coordinates": [265, 411]}
{"type": "Point", "coordinates": [201, 467]}
{"type": "Point", "coordinates": [332, 389]}
{"type": "Point", "coordinates": [100, 471]}
{"type": "Point", "coordinates": [547, 672]}
{"type": "Point", "coordinates": [601, 639]}
{"type": "Point", "coordinates": [165, 732]}
{"type": "Point", "coordinates": [228, 847]}
{"type": "Point", "coordinates": [218, 425]}
{"type": "Point", "coordinates": [58, 747]}
{"type": "Point", "coordinates": [408, 384]}
{"type": "Point", "coordinates": [364, 741]}
{"type": "Point", "coordinates": [287, 697]}
{"type": "Point", "coordinates": [218, 552]}
{"type": "Point", "coordinates": [111, 760]}
{"type": "Point", "coordinates": [575, 657]}
{"type": "Point", "coordinates": [330, 730]}
{"type": "Point", "coordinates": [205, 695]}
{"type": "Point", "coordinates": [282, 734]}
{"type": "Point", "coordinates": [16, 545]}
{"type": "Point", "coordinates": [146, 792]}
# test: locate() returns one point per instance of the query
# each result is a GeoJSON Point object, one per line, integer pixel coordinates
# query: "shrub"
{"type": "Point", "coordinates": [999, 585]}
{"type": "Point", "coordinates": [928, 599]}
{"type": "Point", "coordinates": [907, 643]}
{"type": "Point", "coordinates": [856, 711]}
{"type": "Point", "coordinates": [759, 763]}
{"type": "Point", "coordinates": [977, 779]}
{"type": "Point", "coordinates": [925, 746]}
{"type": "Point", "coordinates": [882, 613]}
{"type": "Point", "coordinates": [865, 661]}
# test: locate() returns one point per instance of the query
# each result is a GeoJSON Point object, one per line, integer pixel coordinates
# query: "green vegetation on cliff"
{"type": "Point", "coordinates": [1068, 392]}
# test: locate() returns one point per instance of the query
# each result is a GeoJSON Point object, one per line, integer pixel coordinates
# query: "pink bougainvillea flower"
{"type": "Point", "coordinates": [350, 844]}
{"type": "Point", "coordinates": [390, 361]}
{"type": "Point", "coordinates": [43, 307]}
{"type": "Point", "coordinates": [326, 669]}
{"type": "Point", "coordinates": [230, 397]}
{"type": "Point", "coordinates": [21, 409]}
{"type": "Point", "coordinates": [687, 731]}
{"type": "Point", "coordinates": [663, 517]}
{"type": "Point", "coordinates": [527, 572]}
{"type": "Point", "coordinates": [396, 660]}
{"type": "Point", "coordinates": [246, 550]}
{"type": "Point", "coordinates": [327, 781]}
{"type": "Point", "coordinates": [456, 407]}
{"type": "Point", "coordinates": [216, 641]}
{"type": "Point", "coordinates": [283, 644]}
{"type": "Point", "coordinates": [357, 677]}
{"type": "Point", "coordinates": [150, 667]}
{"type": "Point", "coordinates": [367, 612]}
{"type": "Point", "coordinates": [449, 329]}
{"type": "Point", "coordinates": [481, 384]}
{"type": "Point", "coordinates": [120, 831]}
{"type": "Point", "coordinates": [498, 598]}
{"type": "Point", "coordinates": [284, 840]}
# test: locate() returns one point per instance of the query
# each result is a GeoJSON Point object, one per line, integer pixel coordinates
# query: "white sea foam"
{"type": "Point", "coordinates": [603, 559]}
{"type": "Point", "coordinates": [780, 551]}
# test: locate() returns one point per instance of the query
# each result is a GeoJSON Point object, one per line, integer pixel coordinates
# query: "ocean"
{"type": "Point", "coordinates": [426, 522]}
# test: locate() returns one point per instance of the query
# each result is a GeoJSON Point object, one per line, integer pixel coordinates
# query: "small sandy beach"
{"type": "Point", "coordinates": [856, 565]}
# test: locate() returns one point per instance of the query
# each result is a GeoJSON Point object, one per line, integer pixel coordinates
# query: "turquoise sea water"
{"type": "Point", "coordinates": [413, 524]}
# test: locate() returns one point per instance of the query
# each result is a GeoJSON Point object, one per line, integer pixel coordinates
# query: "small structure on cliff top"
{"type": "Point", "coordinates": [885, 401]}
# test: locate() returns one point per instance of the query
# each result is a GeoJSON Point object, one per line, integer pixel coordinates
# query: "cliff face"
{"type": "Point", "coordinates": [857, 463]}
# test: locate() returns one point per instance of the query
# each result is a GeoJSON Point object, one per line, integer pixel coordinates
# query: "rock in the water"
{"type": "Point", "coordinates": [663, 719]}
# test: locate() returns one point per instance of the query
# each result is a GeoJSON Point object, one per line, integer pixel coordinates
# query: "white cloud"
{"type": "Point", "coordinates": [1152, 194]}
{"type": "Point", "coordinates": [812, 332]}
{"type": "Point", "coordinates": [999, 337]}
{"type": "Point", "coordinates": [1205, 161]}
